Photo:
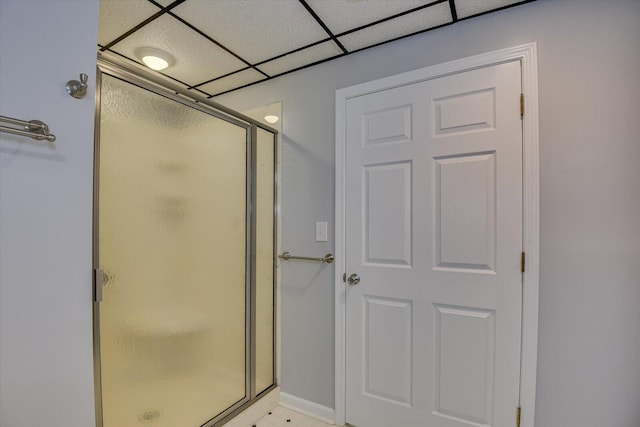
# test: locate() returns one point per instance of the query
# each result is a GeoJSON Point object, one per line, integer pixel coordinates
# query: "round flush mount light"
{"type": "Point", "coordinates": [271, 115]}
{"type": "Point", "coordinates": [271, 118]}
{"type": "Point", "coordinates": [155, 59]}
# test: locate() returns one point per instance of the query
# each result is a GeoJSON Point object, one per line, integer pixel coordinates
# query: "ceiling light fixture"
{"type": "Point", "coordinates": [270, 115]}
{"type": "Point", "coordinates": [271, 118]}
{"type": "Point", "coordinates": [155, 59]}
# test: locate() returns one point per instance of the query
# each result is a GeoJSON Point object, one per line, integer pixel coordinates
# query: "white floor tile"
{"type": "Point", "coordinates": [282, 417]}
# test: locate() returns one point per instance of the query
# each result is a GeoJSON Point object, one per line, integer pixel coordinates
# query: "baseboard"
{"type": "Point", "coordinates": [253, 413]}
{"type": "Point", "coordinates": [311, 409]}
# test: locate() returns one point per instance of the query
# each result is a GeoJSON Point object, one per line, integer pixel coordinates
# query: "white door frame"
{"type": "Point", "coordinates": [527, 55]}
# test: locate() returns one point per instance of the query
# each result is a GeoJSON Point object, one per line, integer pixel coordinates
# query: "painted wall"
{"type": "Point", "coordinates": [589, 347]}
{"type": "Point", "coordinates": [46, 357]}
{"type": "Point", "coordinates": [590, 296]}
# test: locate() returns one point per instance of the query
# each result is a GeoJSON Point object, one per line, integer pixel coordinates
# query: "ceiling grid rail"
{"type": "Point", "coordinates": [338, 39]}
{"type": "Point", "coordinates": [323, 25]}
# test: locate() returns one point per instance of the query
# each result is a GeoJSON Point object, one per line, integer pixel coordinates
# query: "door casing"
{"type": "Point", "coordinates": [527, 55]}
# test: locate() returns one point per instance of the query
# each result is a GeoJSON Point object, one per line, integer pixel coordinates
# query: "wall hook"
{"type": "Point", "coordinates": [78, 89]}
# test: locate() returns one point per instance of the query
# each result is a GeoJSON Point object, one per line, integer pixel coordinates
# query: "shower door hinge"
{"type": "Point", "coordinates": [98, 283]}
{"type": "Point", "coordinates": [522, 259]}
{"type": "Point", "coordinates": [518, 413]}
{"type": "Point", "coordinates": [521, 105]}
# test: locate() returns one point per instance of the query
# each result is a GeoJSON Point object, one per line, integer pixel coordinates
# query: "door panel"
{"type": "Point", "coordinates": [387, 126]}
{"type": "Point", "coordinates": [387, 349]}
{"type": "Point", "coordinates": [173, 319]}
{"type": "Point", "coordinates": [387, 236]}
{"type": "Point", "coordinates": [434, 229]}
{"type": "Point", "coordinates": [464, 362]}
{"type": "Point", "coordinates": [465, 211]}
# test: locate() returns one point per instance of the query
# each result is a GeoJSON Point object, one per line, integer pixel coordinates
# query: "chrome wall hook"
{"type": "Point", "coordinates": [78, 89]}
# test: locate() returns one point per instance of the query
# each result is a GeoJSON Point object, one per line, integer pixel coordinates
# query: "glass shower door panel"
{"type": "Point", "coordinates": [172, 245]}
{"type": "Point", "coordinates": [265, 253]}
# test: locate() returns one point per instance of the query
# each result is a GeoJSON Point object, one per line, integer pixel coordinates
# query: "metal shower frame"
{"type": "Point", "coordinates": [167, 89]}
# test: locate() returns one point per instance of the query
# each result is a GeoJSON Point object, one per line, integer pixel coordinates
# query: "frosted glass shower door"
{"type": "Point", "coordinates": [172, 244]}
{"type": "Point", "coordinates": [265, 248]}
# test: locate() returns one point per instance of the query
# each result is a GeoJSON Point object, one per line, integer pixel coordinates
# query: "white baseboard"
{"type": "Point", "coordinates": [253, 413]}
{"type": "Point", "coordinates": [311, 409]}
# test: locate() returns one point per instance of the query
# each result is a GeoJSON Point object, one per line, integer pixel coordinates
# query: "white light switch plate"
{"type": "Point", "coordinates": [321, 231]}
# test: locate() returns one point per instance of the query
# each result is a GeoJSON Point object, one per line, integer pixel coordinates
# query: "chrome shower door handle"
{"type": "Point", "coordinates": [353, 279]}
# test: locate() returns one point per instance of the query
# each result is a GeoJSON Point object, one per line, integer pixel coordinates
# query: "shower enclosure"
{"type": "Point", "coordinates": [184, 249]}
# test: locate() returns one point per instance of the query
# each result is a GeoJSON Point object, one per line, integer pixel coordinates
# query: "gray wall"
{"type": "Point", "coordinates": [46, 362]}
{"type": "Point", "coordinates": [589, 347]}
{"type": "Point", "coordinates": [589, 344]}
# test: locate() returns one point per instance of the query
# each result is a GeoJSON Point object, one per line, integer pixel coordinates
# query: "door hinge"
{"type": "Point", "coordinates": [522, 259]}
{"type": "Point", "coordinates": [98, 283]}
{"type": "Point", "coordinates": [521, 104]}
{"type": "Point", "coordinates": [518, 412]}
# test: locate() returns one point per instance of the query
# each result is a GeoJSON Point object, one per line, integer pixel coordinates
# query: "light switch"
{"type": "Point", "coordinates": [321, 231]}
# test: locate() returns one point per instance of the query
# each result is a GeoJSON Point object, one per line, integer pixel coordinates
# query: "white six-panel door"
{"type": "Point", "coordinates": [434, 231]}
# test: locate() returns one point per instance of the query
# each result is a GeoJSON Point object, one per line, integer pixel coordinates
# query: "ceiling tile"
{"type": "Point", "coordinates": [301, 58]}
{"type": "Point", "coordinates": [136, 64]}
{"type": "Point", "coordinates": [254, 29]}
{"type": "Point", "coordinates": [343, 15]}
{"type": "Point", "coordinates": [197, 59]}
{"type": "Point", "coordinates": [417, 21]}
{"type": "Point", "coordinates": [119, 16]}
{"type": "Point", "coordinates": [233, 81]}
{"type": "Point", "coordinates": [466, 8]}
{"type": "Point", "coordinates": [258, 30]}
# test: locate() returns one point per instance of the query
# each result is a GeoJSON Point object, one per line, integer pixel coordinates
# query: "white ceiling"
{"type": "Point", "coordinates": [222, 45]}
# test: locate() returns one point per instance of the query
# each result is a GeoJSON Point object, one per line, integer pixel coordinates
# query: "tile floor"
{"type": "Point", "coordinates": [282, 417]}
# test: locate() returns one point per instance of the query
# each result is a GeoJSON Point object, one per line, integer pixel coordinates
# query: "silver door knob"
{"type": "Point", "coordinates": [353, 279]}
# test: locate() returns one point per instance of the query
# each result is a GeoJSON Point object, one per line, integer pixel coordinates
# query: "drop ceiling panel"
{"type": "Point", "coordinates": [231, 82]}
{"type": "Point", "coordinates": [118, 17]}
{"type": "Point", "coordinates": [269, 35]}
{"type": "Point", "coordinates": [466, 8]}
{"type": "Point", "coordinates": [197, 59]}
{"type": "Point", "coordinates": [407, 24]}
{"type": "Point", "coordinates": [301, 58]}
{"type": "Point", "coordinates": [343, 15]}
{"type": "Point", "coordinates": [254, 29]}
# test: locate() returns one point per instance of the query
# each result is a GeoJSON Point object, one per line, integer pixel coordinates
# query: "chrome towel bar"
{"type": "Point", "coordinates": [33, 129]}
{"type": "Point", "coordinates": [328, 258]}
